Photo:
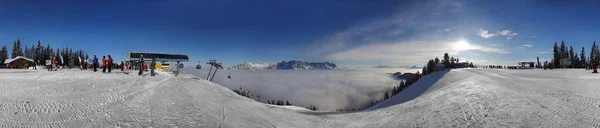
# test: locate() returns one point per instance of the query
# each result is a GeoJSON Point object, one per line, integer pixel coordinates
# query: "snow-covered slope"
{"type": "Point", "coordinates": [293, 64]}
{"type": "Point", "coordinates": [37, 98]}
{"type": "Point", "coordinates": [455, 98]}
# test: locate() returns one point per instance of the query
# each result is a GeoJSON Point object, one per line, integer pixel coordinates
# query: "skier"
{"type": "Point", "coordinates": [95, 63]}
{"type": "Point", "coordinates": [48, 65]}
{"type": "Point", "coordinates": [54, 64]}
{"type": "Point", "coordinates": [103, 64]}
{"type": "Point", "coordinates": [122, 66]}
{"type": "Point", "coordinates": [62, 63]}
{"type": "Point", "coordinates": [80, 63]}
{"type": "Point", "coordinates": [35, 63]}
{"type": "Point", "coordinates": [110, 62]}
{"type": "Point", "coordinates": [141, 64]}
{"type": "Point", "coordinates": [152, 66]}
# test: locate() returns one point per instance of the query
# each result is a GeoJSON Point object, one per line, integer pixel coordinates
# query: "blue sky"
{"type": "Point", "coordinates": [348, 33]}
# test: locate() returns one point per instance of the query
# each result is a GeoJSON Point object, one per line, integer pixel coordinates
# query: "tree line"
{"type": "Point", "coordinates": [247, 94]}
{"type": "Point", "coordinates": [41, 53]}
{"type": "Point", "coordinates": [578, 60]}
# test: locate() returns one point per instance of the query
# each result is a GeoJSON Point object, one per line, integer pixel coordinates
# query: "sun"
{"type": "Point", "coordinates": [462, 45]}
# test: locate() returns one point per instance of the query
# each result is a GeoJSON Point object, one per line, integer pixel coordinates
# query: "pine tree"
{"type": "Point", "coordinates": [402, 85]}
{"type": "Point", "coordinates": [3, 54]}
{"type": "Point", "coordinates": [437, 61]}
{"type": "Point", "coordinates": [446, 60]}
{"type": "Point", "coordinates": [430, 66]}
{"type": "Point", "coordinates": [557, 54]}
{"type": "Point", "coordinates": [387, 95]}
{"type": "Point", "coordinates": [16, 51]}
{"type": "Point", "coordinates": [571, 53]}
{"type": "Point", "coordinates": [424, 70]}
{"type": "Point", "coordinates": [38, 51]}
{"type": "Point", "coordinates": [26, 53]}
{"type": "Point", "coordinates": [563, 50]}
{"type": "Point", "coordinates": [582, 56]}
{"type": "Point", "coordinates": [576, 62]}
{"type": "Point", "coordinates": [596, 53]}
{"type": "Point", "coordinates": [287, 103]}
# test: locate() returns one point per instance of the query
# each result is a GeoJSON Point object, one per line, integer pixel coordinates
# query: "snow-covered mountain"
{"type": "Point", "coordinates": [251, 66]}
{"type": "Point", "coordinates": [293, 64]}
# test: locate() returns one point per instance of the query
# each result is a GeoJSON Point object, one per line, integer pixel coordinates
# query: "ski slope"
{"type": "Point", "coordinates": [451, 98]}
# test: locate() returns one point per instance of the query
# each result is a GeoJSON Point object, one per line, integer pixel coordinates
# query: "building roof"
{"type": "Point", "coordinates": [7, 61]}
{"type": "Point", "coordinates": [159, 56]}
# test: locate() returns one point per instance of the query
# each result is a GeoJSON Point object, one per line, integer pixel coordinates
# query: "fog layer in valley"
{"type": "Point", "coordinates": [326, 89]}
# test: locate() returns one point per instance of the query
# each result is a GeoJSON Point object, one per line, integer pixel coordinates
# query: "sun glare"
{"type": "Point", "coordinates": [462, 45]}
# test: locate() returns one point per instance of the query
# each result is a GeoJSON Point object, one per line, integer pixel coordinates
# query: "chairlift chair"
{"type": "Point", "coordinates": [198, 66]}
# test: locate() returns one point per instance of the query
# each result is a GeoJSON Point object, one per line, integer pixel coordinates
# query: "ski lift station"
{"type": "Point", "coordinates": [164, 61]}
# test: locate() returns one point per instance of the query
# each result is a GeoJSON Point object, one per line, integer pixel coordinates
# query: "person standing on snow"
{"type": "Point", "coordinates": [152, 66]}
{"type": "Point", "coordinates": [54, 64]}
{"type": "Point", "coordinates": [141, 63]}
{"type": "Point", "coordinates": [80, 63]}
{"type": "Point", "coordinates": [110, 64]}
{"type": "Point", "coordinates": [103, 64]}
{"type": "Point", "coordinates": [35, 64]}
{"type": "Point", "coordinates": [95, 63]}
{"type": "Point", "coordinates": [122, 66]}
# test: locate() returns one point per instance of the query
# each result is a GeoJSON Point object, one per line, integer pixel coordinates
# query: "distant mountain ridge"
{"type": "Point", "coordinates": [284, 65]}
{"type": "Point", "coordinates": [407, 67]}
{"type": "Point", "coordinates": [382, 66]}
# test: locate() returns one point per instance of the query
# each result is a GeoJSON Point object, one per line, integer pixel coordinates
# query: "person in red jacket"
{"type": "Point", "coordinates": [104, 64]}
{"type": "Point", "coordinates": [110, 64]}
{"type": "Point", "coordinates": [54, 64]}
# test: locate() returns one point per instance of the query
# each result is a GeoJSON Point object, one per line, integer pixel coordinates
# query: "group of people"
{"type": "Point", "coordinates": [51, 65]}
{"type": "Point", "coordinates": [142, 68]}
{"type": "Point", "coordinates": [106, 63]}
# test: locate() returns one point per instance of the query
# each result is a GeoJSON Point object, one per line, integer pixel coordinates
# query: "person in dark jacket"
{"type": "Point", "coordinates": [95, 63]}
{"type": "Point", "coordinates": [141, 64]}
{"type": "Point", "coordinates": [110, 64]}
{"type": "Point", "coordinates": [122, 66]}
{"type": "Point", "coordinates": [152, 66]}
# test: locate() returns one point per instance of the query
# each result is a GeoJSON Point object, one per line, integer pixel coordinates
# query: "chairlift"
{"type": "Point", "coordinates": [198, 66]}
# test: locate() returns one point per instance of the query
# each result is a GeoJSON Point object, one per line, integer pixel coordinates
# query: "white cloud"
{"type": "Point", "coordinates": [527, 45]}
{"type": "Point", "coordinates": [407, 52]}
{"type": "Point", "coordinates": [447, 30]}
{"type": "Point", "coordinates": [506, 33]}
{"type": "Point", "coordinates": [485, 34]}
